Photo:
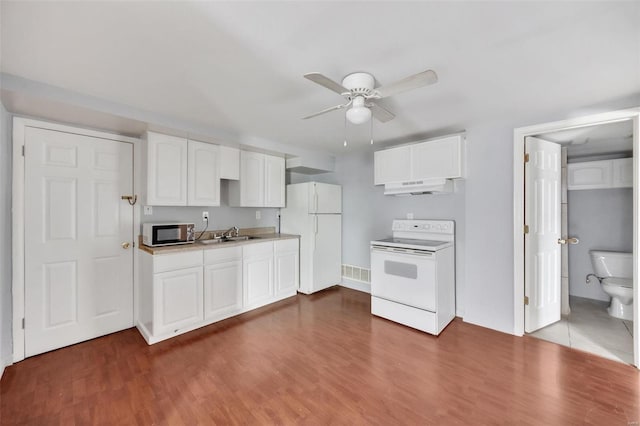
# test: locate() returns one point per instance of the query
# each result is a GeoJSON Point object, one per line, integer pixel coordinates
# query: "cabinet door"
{"type": "Point", "coordinates": [287, 274]}
{"type": "Point", "coordinates": [251, 179]}
{"type": "Point", "coordinates": [437, 159]}
{"type": "Point", "coordinates": [274, 181]}
{"type": "Point", "coordinates": [392, 165]}
{"type": "Point", "coordinates": [589, 175]}
{"type": "Point", "coordinates": [203, 175]}
{"type": "Point", "coordinates": [222, 289]}
{"type": "Point", "coordinates": [257, 277]}
{"type": "Point", "coordinates": [166, 170]}
{"type": "Point", "coordinates": [622, 173]}
{"type": "Point", "coordinates": [177, 300]}
{"type": "Point", "coordinates": [229, 163]}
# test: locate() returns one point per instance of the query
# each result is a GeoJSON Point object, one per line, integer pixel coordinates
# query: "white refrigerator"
{"type": "Point", "coordinates": [314, 211]}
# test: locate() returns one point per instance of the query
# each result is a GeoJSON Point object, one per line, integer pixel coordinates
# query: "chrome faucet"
{"type": "Point", "coordinates": [229, 232]}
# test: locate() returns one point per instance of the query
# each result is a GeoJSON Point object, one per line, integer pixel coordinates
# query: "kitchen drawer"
{"type": "Point", "coordinates": [258, 249]}
{"type": "Point", "coordinates": [286, 246]}
{"type": "Point", "coordinates": [218, 255]}
{"type": "Point", "coordinates": [174, 261]}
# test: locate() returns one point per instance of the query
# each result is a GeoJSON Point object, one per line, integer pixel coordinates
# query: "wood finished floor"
{"type": "Point", "coordinates": [320, 359]}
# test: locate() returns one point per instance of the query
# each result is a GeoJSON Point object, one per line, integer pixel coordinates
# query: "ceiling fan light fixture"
{"type": "Point", "coordinates": [358, 115]}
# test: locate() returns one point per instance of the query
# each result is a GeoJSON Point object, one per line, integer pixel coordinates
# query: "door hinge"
{"type": "Point", "coordinates": [526, 300]}
{"type": "Point", "coordinates": [23, 150]}
{"type": "Point", "coordinates": [526, 157]}
{"type": "Point", "coordinates": [525, 229]}
{"type": "Point", "coordinates": [23, 323]}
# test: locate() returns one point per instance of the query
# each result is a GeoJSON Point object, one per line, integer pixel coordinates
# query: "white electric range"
{"type": "Point", "coordinates": [413, 274]}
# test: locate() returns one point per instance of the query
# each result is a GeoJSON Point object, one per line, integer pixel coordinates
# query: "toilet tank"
{"type": "Point", "coordinates": [612, 263]}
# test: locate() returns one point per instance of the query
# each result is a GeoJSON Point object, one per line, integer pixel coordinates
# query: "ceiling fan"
{"type": "Point", "coordinates": [359, 91]}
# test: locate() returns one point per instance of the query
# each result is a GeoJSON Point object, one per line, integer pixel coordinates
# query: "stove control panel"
{"type": "Point", "coordinates": [430, 226]}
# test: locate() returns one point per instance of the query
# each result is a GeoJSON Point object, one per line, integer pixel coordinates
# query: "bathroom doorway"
{"type": "Point", "coordinates": [596, 214]}
{"type": "Point", "coordinates": [584, 184]}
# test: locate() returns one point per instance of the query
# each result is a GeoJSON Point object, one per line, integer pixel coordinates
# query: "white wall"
{"type": "Point", "coordinates": [222, 217]}
{"type": "Point", "coordinates": [601, 219]}
{"type": "Point", "coordinates": [6, 343]}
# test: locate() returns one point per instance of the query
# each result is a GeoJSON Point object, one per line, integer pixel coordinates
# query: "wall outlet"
{"type": "Point", "coordinates": [409, 216]}
{"type": "Point", "coordinates": [147, 210]}
{"type": "Point", "coordinates": [258, 215]}
{"type": "Point", "coordinates": [205, 216]}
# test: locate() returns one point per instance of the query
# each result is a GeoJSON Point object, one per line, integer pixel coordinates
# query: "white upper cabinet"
{"type": "Point", "coordinates": [392, 165]}
{"type": "Point", "coordinates": [181, 172]}
{"type": "Point", "coordinates": [435, 159]}
{"type": "Point", "coordinates": [166, 170]}
{"type": "Point", "coordinates": [203, 173]}
{"type": "Point", "coordinates": [622, 173]}
{"type": "Point", "coordinates": [229, 163]}
{"type": "Point", "coordinates": [261, 181]}
{"type": "Point", "coordinates": [274, 186]}
{"type": "Point", "coordinates": [251, 179]}
{"type": "Point", "coordinates": [616, 173]}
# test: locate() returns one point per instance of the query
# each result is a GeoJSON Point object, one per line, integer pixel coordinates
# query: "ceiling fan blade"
{"type": "Point", "coordinates": [324, 111]}
{"type": "Point", "coordinates": [381, 114]}
{"type": "Point", "coordinates": [320, 79]}
{"type": "Point", "coordinates": [415, 81]}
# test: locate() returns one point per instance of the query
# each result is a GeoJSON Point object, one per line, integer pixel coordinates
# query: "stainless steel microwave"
{"type": "Point", "coordinates": [167, 234]}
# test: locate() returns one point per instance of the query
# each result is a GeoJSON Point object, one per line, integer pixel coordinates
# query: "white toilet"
{"type": "Point", "coordinates": [615, 272]}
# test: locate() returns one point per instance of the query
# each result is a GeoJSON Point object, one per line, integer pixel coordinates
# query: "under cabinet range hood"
{"type": "Point", "coordinates": [425, 186]}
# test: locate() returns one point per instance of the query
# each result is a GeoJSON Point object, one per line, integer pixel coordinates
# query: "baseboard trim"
{"type": "Point", "coordinates": [356, 285]}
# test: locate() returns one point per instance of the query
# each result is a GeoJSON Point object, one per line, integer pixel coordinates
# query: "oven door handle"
{"type": "Point", "coordinates": [397, 250]}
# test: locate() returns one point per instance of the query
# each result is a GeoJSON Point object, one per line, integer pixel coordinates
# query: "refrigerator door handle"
{"type": "Point", "coordinates": [315, 201]}
{"type": "Point", "coordinates": [315, 231]}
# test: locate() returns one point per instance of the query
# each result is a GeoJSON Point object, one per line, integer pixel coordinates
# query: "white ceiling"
{"type": "Point", "coordinates": [610, 138]}
{"type": "Point", "coordinates": [238, 66]}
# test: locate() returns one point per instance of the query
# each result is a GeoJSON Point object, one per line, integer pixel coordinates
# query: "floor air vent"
{"type": "Point", "coordinates": [356, 273]}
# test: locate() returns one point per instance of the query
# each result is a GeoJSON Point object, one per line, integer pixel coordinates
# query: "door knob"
{"type": "Point", "coordinates": [568, 240]}
{"type": "Point", "coordinates": [125, 245]}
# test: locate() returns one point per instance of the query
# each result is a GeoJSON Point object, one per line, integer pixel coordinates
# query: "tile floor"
{"type": "Point", "coordinates": [590, 328]}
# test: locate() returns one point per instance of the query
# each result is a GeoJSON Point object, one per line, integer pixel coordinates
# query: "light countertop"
{"type": "Point", "coordinates": [198, 245]}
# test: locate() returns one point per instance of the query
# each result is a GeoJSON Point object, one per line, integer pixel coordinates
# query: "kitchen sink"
{"type": "Point", "coordinates": [239, 238]}
{"type": "Point", "coordinates": [227, 239]}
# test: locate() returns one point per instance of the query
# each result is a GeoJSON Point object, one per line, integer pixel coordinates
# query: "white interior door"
{"type": "Point", "coordinates": [542, 284]}
{"type": "Point", "coordinates": [78, 274]}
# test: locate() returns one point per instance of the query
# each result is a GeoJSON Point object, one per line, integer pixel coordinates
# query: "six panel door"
{"type": "Point", "coordinates": [78, 275]}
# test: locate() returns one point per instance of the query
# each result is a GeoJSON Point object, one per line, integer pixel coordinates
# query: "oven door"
{"type": "Point", "coordinates": [405, 276]}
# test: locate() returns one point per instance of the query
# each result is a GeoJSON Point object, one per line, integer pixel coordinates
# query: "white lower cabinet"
{"type": "Point", "coordinates": [186, 290]}
{"type": "Point", "coordinates": [177, 300]}
{"type": "Point", "coordinates": [222, 283]}
{"type": "Point", "coordinates": [287, 267]}
{"type": "Point", "coordinates": [257, 273]}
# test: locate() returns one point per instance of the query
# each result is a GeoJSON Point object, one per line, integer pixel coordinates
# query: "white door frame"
{"type": "Point", "coordinates": [18, 223]}
{"type": "Point", "coordinates": [519, 135]}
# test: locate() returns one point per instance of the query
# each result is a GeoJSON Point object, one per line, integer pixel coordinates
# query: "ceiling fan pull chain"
{"type": "Point", "coordinates": [371, 131]}
{"type": "Point", "coordinates": [345, 131]}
